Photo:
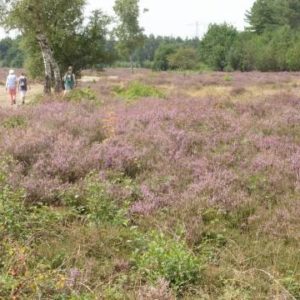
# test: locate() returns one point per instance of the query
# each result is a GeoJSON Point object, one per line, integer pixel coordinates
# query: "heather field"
{"type": "Point", "coordinates": [153, 186]}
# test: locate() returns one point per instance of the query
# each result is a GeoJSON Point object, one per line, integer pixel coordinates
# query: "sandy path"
{"type": "Point", "coordinates": [35, 90]}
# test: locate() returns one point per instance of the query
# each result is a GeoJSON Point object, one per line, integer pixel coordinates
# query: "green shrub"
{"type": "Point", "coordinates": [183, 59]}
{"type": "Point", "coordinates": [101, 207]}
{"type": "Point", "coordinates": [11, 205]}
{"type": "Point", "coordinates": [228, 78]}
{"type": "Point", "coordinates": [78, 95]}
{"type": "Point", "coordinates": [12, 212]}
{"type": "Point", "coordinates": [168, 258]}
{"type": "Point", "coordinates": [137, 90]}
{"type": "Point", "coordinates": [14, 122]}
{"type": "Point", "coordinates": [161, 62]}
{"type": "Point", "coordinates": [94, 199]}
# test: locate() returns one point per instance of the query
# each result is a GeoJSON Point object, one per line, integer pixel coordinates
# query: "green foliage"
{"type": "Point", "coordinates": [275, 50]}
{"type": "Point", "coordinates": [101, 207]}
{"type": "Point", "coordinates": [10, 53]}
{"type": "Point", "coordinates": [263, 15]}
{"type": "Point", "coordinates": [72, 41]}
{"type": "Point", "coordinates": [86, 46]}
{"type": "Point", "coordinates": [12, 212]}
{"type": "Point", "coordinates": [183, 59]}
{"type": "Point", "coordinates": [168, 258]}
{"type": "Point", "coordinates": [271, 55]}
{"type": "Point", "coordinates": [228, 78]}
{"type": "Point", "coordinates": [80, 94]}
{"type": "Point", "coordinates": [216, 44]}
{"type": "Point", "coordinates": [269, 14]}
{"type": "Point", "coordinates": [94, 200]}
{"type": "Point", "coordinates": [129, 33]}
{"type": "Point", "coordinates": [293, 57]}
{"type": "Point", "coordinates": [144, 56]}
{"type": "Point", "coordinates": [14, 122]}
{"type": "Point", "coordinates": [16, 218]}
{"type": "Point", "coordinates": [11, 204]}
{"type": "Point", "coordinates": [137, 90]}
{"type": "Point", "coordinates": [242, 54]}
{"type": "Point", "coordinates": [292, 284]}
{"type": "Point", "coordinates": [161, 61]}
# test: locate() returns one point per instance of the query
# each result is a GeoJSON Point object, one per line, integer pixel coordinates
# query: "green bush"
{"type": "Point", "coordinates": [101, 207]}
{"type": "Point", "coordinates": [11, 205]}
{"type": "Point", "coordinates": [14, 122]}
{"type": "Point", "coordinates": [78, 95]}
{"type": "Point", "coordinates": [168, 258]}
{"type": "Point", "coordinates": [161, 62]}
{"type": "Point", "coordinates": [12, 212]}
{"type": "Point", "coordinates": [137, 90]}
{"type": "Point", "coordinates": [183, 59]}
{"type": "Point", "coordinates": [19, 220]}
{"type": "Point", "coordinates": [93, 198]}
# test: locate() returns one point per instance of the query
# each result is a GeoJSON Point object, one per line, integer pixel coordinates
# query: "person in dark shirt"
{"type": "Point", "coordinates": [22, 87]}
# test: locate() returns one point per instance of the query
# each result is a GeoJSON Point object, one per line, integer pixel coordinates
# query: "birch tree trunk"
{"type": "Point", "coordinates": [50, 65]}
{"type": "Point", "coordinates": [47, 65]}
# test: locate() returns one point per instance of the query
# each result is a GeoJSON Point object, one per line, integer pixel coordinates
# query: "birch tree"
{"type": "Point", "coordinates": [129, 33]}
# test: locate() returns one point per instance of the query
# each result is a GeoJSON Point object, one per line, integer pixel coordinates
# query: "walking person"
{"type": "Point", "coordinates": [22, 87]}
{"type": "Point", "coordinates": [11, 86]}
{"type": "Point", "coordinates": [69, 81]}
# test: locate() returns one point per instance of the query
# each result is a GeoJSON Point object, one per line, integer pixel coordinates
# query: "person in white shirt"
{"type": "Point", "coordinates": [11, 86]}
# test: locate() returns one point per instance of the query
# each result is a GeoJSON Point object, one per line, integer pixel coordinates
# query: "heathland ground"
{"type": "Point", "coordinates": [153, 185]}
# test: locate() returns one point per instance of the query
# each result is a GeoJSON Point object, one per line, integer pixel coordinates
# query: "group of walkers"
{"type": "Point", "coordinates": [16, 84]}
{"type": "Point", "coordinates": [13, 83]}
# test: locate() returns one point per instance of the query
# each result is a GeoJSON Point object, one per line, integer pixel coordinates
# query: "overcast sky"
{"type": "Point", "coordinates": [179, 17]}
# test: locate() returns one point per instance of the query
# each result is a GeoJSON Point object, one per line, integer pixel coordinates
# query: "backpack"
{"type": "Point", "coordinates": [23, 83]}
{"type": "Point", "coordinates": [69, 79]}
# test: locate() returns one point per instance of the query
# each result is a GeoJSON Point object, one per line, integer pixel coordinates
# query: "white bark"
{"type": "Point", "coordinates": [50, 65]}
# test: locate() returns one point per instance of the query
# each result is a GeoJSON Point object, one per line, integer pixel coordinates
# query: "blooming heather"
{"type": "Point", "coordinates": [176, 150]}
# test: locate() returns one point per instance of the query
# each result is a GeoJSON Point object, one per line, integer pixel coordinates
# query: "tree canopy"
{"type": "Point", "coordinates": [129, 33]}
{"type": "Point", "coordinates": [271, 14]}
{"type": "Point", "coordinates": [216, 44]}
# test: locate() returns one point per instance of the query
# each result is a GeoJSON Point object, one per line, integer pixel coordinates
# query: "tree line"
{"type": "Point", "coordinates": [271, 42]}
{"type": "Point", "coordinates": [54, 35]}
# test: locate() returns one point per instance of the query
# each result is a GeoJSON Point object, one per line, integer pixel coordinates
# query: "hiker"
{"type": "Point", "coordinates": [11, 86]}
{"type": "Point", "coordinates": [69, 80]}
{"type": "Point", "coordinates": [22, 87]}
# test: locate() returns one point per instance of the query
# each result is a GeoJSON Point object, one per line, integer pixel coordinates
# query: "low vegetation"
{"type": "Point", "coordinates": [194, 196]}
{"type": "Point", "coordinates": [136, 90]}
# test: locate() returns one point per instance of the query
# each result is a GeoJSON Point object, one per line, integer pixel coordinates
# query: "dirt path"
{"type": "Point", "coordinates": [35, 90]}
